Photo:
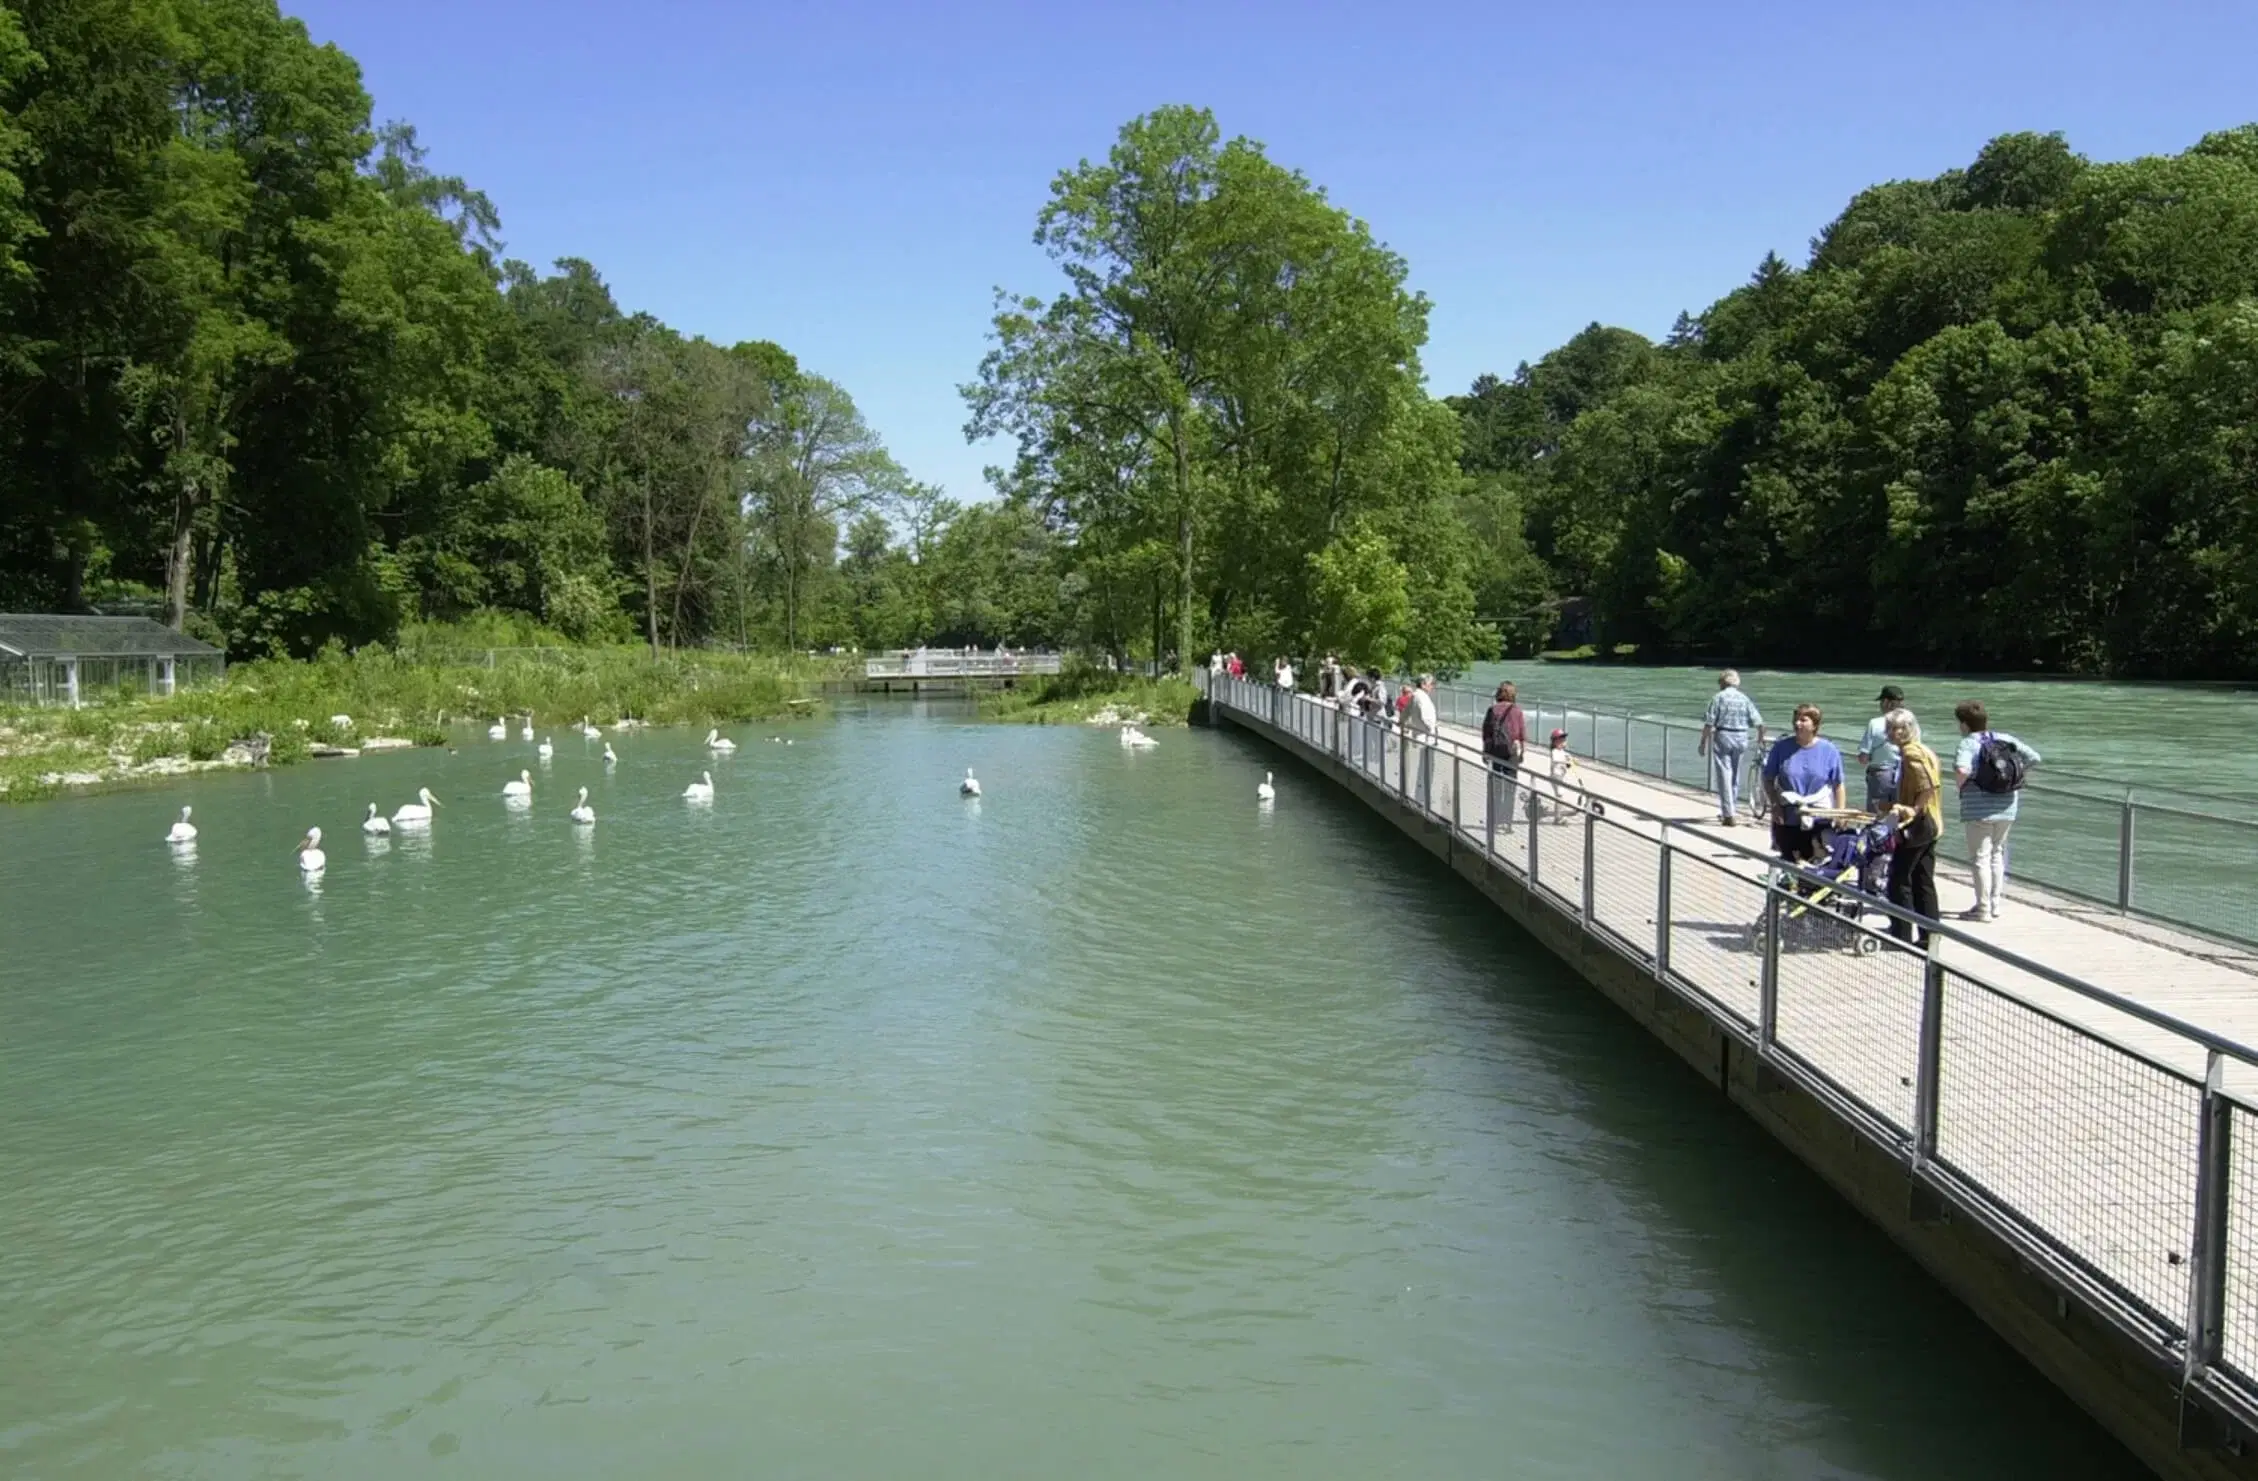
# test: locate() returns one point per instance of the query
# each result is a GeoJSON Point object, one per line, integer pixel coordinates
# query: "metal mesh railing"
{"type": "Point", "coordinates": [1849, 1003]}
{"type": "Point", "coordinates": [1714, 940]}
{"type": "Point", "coordinates": [2098, 1159]}
{"type": "Point", "coordinates": [2084, 1140]}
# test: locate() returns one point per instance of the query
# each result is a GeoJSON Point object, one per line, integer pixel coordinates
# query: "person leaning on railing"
{"type": "Point", "coordinates": [1919, 812]}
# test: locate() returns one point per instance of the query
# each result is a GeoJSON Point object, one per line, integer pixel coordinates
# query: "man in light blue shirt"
{"type": "Point", "coordinates": [1877, 755]}
{"type": "Point", "coordinates": [1726, 732]}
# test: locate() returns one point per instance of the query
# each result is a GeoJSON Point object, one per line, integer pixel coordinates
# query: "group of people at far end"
{"type": "Point", "coordinates": [1802, 775]}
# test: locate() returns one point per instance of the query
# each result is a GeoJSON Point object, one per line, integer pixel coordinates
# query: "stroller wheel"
{"type": "Point", "coordinates": [1756, 938]}
{"type": "Point", "coordinates": [1866, 945]}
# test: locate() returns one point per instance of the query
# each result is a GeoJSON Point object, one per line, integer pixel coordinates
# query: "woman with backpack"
{"type": "Point", "coordinates": [1991, 765]}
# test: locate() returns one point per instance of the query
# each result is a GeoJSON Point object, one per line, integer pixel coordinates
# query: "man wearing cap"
{"type": "Point", "coordinates": [1877, 755]}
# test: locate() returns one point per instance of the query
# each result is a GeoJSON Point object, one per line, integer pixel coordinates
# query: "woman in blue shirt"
{"type": "Point", "coordinates": [1803, 769]}
{"type": "Point", "coordinates": [1986, 815]}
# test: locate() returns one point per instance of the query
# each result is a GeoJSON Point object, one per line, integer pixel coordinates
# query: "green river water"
{"type": "Point", "coordinates": [1110, 1126]}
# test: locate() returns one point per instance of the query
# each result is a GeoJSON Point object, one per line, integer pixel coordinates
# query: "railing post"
{"type": "Point", "coordinates": [1928, 1058]}
{"type": "Point", "coordinates": [1532, 830]}
{"type": "Point", "coordinates": [2207, 1272]}
{"type": "Point", "coordinates": [2125, 854]}
{"type": "Point", "coordinates": [1489, 806]}
{"type": "Point", "coordinates": [1591, 852]}
{"type": "Point", "coordinates": [1403, 760]}
{"type": "Point", "coordinates": [1666, 729]}
{"type": "Point", "coordinates": [1662, 909]}
{"type": "Point", "coordinates": [1768, 990]}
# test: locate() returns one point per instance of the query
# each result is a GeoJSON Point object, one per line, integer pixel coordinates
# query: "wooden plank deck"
{"type": "Point", "coordinates": [2078, 1116]}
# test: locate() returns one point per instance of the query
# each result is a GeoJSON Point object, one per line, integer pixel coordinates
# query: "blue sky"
{"type": "Point", "coordinates": [852, 180]}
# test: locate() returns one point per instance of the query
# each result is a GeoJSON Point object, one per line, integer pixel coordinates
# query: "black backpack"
{"type": "Point", "coordinates": [1999, 767]}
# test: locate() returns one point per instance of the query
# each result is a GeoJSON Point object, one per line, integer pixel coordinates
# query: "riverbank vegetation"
{"type": "Point", "coordinates": [1084, 693]}
{"type": "Point", "coordinates": [2000, 419]}
{"type": "Point", "coordinates": [440, 681]}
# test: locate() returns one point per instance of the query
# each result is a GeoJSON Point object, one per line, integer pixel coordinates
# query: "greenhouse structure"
{"type": "Point", "coordinates": [70, 660]}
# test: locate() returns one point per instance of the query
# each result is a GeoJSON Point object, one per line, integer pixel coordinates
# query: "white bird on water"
{"type": "Point", "coordinates": [1266, 792]}
{"type": "Point", "coordinates": [374, 824]}
{"type": "Point", "coordinates": [418, 811]}
{"type": "Point", "coordinates": [1137, 740]}
{"type": "Point", "coordinates": [527, 733]}
{"type": "Point", "coordinates": [522, 787]}
{"type": "Point", "coordinates": [588, 730]}
{"type": "Point", "coordinates": [970, 786]}
{"type": "Point", "coordinates": [611, 758]}
{"type": "Point", "coordinates": [547, 749]}
{"type": "Point", "coordinates": [182, 831]}
{"type": "Point", "coordinates": [499, 730]}
{"type": "Point", "coordinates": [311, 860]}
{"type": "Point", "coordinates": [700, 791]}
{"type": "Point", "coordinates": [581, 811]}
{"type": "Point", "coordinates": [716, 741]}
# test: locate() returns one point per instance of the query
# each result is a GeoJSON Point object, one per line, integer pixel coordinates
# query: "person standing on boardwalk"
{"type": "Point", "coordinates": [1420, 725]}
{"type": "Point", "coordinates": [1877, 755]}
{"type": "Point", "coordinates": [1329, 679]}
{"type": "Point", "coordinates": [1505, 741]}
{"type": "Point", "coordinates": [1803, 770]}
{"type": "Point", "coordinates": [1990, 765]}
{"type": "Point", "coordinates": [1919, 812]}
{"type": "Point", "coordinates": [1725, 732]}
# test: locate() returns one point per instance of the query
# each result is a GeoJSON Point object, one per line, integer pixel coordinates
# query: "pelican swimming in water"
{"type": "Point", "coordinates": [588, 730]}
{"type": "Point", "coordinates": [581, 811]}
{"type": "Point", "coordinates": [611, 757]}
{"type": "Point", "coordinates": [970, 786]}
{"type": "Point", "coordinates": [716, 741]}
{"type": "Point", "coordinates": [547, 749]}
{"type": "Point", "coordinates": [1266, 792]}
{"type": "Point", "coordinates": [374, 824]}
{"type": "Point", "coordinates": [521, 788]}
{"type": "Point", "coordinates": [499, 730]}
{"type": "Point", "coordinates": [311, 860]}
{"type": "Point", "coordinates": [700, 790]}
{"type": "Point", "coordinates": [1136, 740]}
{"type": "Point", "coordinates": [418, 811]}
{"type": "Point", "coordinates": [182, 831]}
{"type": "Point", "coordinates": [527, 733]}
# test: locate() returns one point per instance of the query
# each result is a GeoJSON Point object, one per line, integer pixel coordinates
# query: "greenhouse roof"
{"type": "Point", "coordinates": [38, 635]}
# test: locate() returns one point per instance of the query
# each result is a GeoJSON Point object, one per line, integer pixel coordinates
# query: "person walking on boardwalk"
{"type": "Point", "coordinates": [1919, 811]}
{"type": "Point", "coordinates": [1420, 727]}
{"type": "Point", "coordinates": [1990, 766]}
{"type": "Point", "coordinates": [1803, 770]}
{"type": "Point", "coordinates": [1725, 732]}
{"type": "Point", "coordinates": [1505, 741]}
{"type": "Point", "coordinates": [1877, 755]}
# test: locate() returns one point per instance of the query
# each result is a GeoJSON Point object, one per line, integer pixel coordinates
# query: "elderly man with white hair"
{"type": "Point", "coordinates": [1725, 739]}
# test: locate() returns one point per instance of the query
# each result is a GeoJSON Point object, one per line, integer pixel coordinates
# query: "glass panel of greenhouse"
{"type": "Point", "coordinates": [77, 660]}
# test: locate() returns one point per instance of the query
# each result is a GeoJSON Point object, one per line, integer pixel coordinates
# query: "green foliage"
{"type": "Point", "coordinates": [1999, 420]}
{"type": "Point", "coordinates": [1081, 690]}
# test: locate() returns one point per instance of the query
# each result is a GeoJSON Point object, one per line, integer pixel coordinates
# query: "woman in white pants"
{"type": "Point", "coordinates": [1986, 810]}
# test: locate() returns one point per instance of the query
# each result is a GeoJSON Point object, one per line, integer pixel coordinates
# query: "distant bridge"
{"type": "Point", "coordinates": [955, 668]}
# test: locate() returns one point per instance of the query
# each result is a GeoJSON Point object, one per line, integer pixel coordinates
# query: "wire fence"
{"type": "Point", "coordinates": [2127, 1177]}
{"type": "Point", "coordinates": [2156, 852]}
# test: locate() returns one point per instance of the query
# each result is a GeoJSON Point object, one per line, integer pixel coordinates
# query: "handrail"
{"type": "Point", "coordinates": [2132, 1008]}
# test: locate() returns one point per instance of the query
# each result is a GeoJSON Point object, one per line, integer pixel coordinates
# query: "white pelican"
{"type": "Point", "coordinates": [716, 741]}
{"type": "Point", "coordinates": [522, 787]}
{"type": "Point", "coordinates": [1137, 740]}
{"type": "Point", "coordinates": [527, 733]}
{"type": "Point", "coordinates": [311, 860]}
{"type": "Point", "coordinates": [700, 791]}
{"type": "Point", "coordinates": [588, 730]}
{"type": "Point", "coordinates": [418, 811]}
{"type": "Point", "coordinates": [182, 831]}
{"type": "Point", "coordinates": [611, 758]}
{"type": "Point", "coordinates": [581, 811]}
{"type": "Point", "coordinates": [499, 730]}
{"type": "Point", "coordinates": [374, 824]}
{"type": "Point", "coordinates": [1266, 792]}
{"type": "Point", "coordinates": [546, 749]}
{"type": "Point", "coordinates": [970, 786]}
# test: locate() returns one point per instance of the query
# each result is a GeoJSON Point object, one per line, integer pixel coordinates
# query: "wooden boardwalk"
{"type": "Point", "coordinates": [2079, 1118]}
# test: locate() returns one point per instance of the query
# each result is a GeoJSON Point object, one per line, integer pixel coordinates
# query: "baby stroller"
{"type": "Point", "coordinates": [1820, 913]}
